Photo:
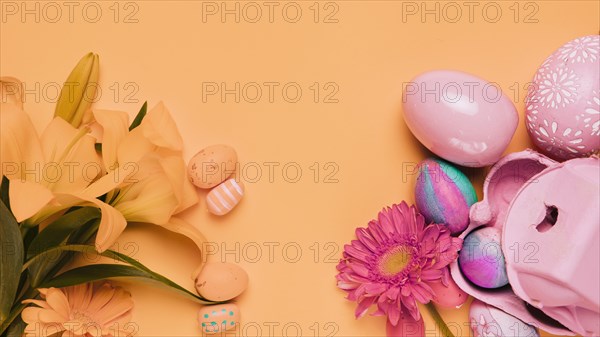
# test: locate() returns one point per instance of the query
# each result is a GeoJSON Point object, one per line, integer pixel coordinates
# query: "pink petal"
{"type": "Point", "coordinates": [58, 302]}
{"type": "Point", "coordinates": [102, 297]}
{"type": "Point", "coordinates": [363, 306]}
{"type": "Point", "coordinates": [30, 315]}
{"type": "Point", "coordinates": [360, 269]}
{"type": "Point", "coordinates": [385, 221]}
{"type": "Point", "coordinates": [365, 237]}
{"type": "Point", "coordinates": [373, 227]}
{"type": "Point", "coordinates": [410, 304]}
{"type": "Point", "coordinates": [406, 326]}
{"type": "Point", "coordinates": [347, 285]}
{"type": "Point", "coordinates": [118, 306]}
{"type": "Point", "coordinates": [51, 316]}
{"type": "Point", "coordinates": [392, 293]}
{"type": "Point", "coordinates": [39, 303]}
{"type": "Point", "coordinates": [431, 274]}
{"type": "Point", "coordinates": [375, 288]}
{"type": "Point", "coordinates": [394, 313]}
{"type": "Point", "coordinates": [356, 253]}
{"type": "Point", "coordinates": [422, 292]}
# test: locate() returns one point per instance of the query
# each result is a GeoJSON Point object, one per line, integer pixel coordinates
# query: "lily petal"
{"type": "Point", "coordinates": [184, 228]}
{"type": "Point", "coordinates": [108, 182]}
{"type": "Point", "coordinates": [151, 200]}
{"type": "Point", "coordinates": [11, 91]}
{"type": "Point", "coordinates": [115, 126]}
{"type": "Point", "coordinates": [112, 222]}
{"type": "Point", "coordinates": [160, 128]}
{"type": "Point", "coordinates": [185, 193]}
{"type": "Point", "coordinates": [157, 131]}
{"type": "Point", "coordinates": [72, 161]}
{"type": "Point", "coordinates": [20, 150]}
{"type": "Point", "coordinates": [27, 198]}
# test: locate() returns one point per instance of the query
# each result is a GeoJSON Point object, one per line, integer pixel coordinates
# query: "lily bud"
{"type": "Point", "coordinates": [79, 90]}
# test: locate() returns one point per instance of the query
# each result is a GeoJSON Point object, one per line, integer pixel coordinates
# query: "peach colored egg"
{"type": "Point", "coordinates": [212, 165]}
{"type": "Point", "coordinates": [221, 281]}
{"type": "Point", "coordinates": [219, 318]}
{"type": "Point", "coordinates": [223, 198]}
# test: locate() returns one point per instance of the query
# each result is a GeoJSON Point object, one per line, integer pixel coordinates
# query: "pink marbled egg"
{"type": "Point", "coordinates": [563, 104]}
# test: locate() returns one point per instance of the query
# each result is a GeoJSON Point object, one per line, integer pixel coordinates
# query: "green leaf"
{"type": "Point", "coordinates": [11, 260]}
{"type": "Point", "coordinates": [4, 191]}
{"type": "Point", "coordinates": [53, 235]}
{"type": "Point", "coordinates": [16, 328]}
{"type": "Point", "coordinates": [87, 273]}
{"type": "Point", "coordinates": [58, 231]}
{"type": "Point", "coordinates": [92, 273]}
{"type": "Point", "coordinates": [140, 116]}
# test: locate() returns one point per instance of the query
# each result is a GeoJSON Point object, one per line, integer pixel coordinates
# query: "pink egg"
{"type": "Point", "coordinates": [460, 117]}
{"type": "Point", "coordinates": [563, 104]}
{"type": "Point", "coordinates": [450, 296]}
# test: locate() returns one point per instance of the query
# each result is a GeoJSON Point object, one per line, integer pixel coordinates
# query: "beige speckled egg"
{"type": "Point", "coordinates": [221, 281]}
{"type": "Point", "coordinates": [212, 165]}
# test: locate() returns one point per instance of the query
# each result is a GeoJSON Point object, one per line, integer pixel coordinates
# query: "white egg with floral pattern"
{"type": "Point", "coordinates": [218, 318]}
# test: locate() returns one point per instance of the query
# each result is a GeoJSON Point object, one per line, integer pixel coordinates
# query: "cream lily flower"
{"type": "Point", "coordinates": [143, 175]}
{"type": "Point", "coordinates": [146, 179]}
{"type": "Point", "coordinates": [48, 170]}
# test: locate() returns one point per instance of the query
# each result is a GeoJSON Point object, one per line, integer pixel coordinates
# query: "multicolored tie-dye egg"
{"type": "Point", "coordinates": [481, 260]}
{"type": "Point", "coordinates": [563, 104]}
{"type": "Point", "coordinates": [443, 194]}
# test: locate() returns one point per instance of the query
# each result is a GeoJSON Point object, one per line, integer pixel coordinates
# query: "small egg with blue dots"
{"type": "Point", "coordinates": [219, 318]}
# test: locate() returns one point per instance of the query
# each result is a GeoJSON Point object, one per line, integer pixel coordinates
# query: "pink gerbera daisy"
{"type": "Point", "coordinates": [393, 260]}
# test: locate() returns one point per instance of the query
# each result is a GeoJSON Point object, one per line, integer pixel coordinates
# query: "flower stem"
{"type": "Point", "coordinates": [438, 320]}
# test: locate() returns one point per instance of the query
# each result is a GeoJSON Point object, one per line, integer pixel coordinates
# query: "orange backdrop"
{"type": "Point", "coordinates": [309, 93]}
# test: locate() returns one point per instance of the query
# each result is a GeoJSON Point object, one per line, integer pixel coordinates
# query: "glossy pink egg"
{"type": "Point", "coordinates": [448, 296]}
{"type": "Point", "coordinates": [460, 117]}
{"type": "Point", "coordinates": [563, 104]}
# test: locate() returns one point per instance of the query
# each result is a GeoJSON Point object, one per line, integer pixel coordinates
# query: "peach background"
{"type": "Point", "coordinates": [369, 53]}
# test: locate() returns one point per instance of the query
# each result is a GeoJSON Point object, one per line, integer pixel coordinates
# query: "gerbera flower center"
{"type": "Point", "coordinates": [82, 318]}
{"type": "Point", "coordinates": [395, 260]}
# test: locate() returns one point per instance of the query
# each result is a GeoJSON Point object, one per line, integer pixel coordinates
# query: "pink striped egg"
{"type": "Point", "coordinates": [223, 198]}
